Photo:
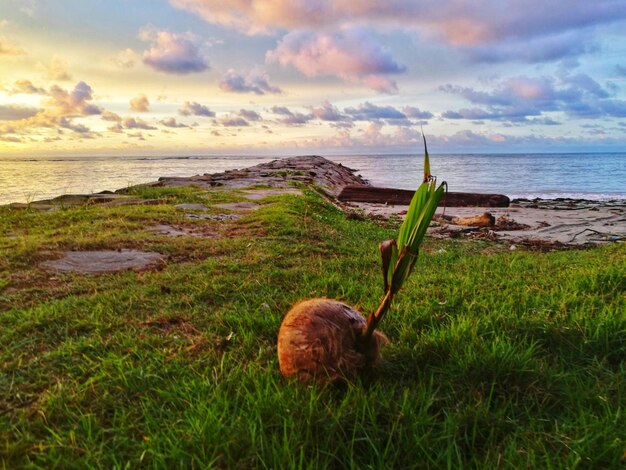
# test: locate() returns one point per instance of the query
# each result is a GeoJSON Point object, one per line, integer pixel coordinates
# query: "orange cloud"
{"type": "Point", "coordinates": [140, 104]}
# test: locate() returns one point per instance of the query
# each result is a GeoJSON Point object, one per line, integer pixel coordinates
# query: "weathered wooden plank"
{"type": "Point", "coordinates": [391, 196]}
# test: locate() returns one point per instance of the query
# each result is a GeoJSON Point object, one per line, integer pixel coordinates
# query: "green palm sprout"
{"type": "Point", "coordinates": [399, 255]}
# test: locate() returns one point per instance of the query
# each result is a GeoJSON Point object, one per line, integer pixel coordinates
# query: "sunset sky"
{"type": "Point", "coordinates": [300, 76]}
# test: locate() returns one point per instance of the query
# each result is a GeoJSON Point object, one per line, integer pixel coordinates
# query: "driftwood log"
{"type": "Point", "coordinates": [483, 220]}
{"type": "Point", "coordinates": [391, 196]}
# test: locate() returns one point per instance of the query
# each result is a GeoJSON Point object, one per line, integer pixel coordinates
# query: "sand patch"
{"type": "Point", "coordinates": [105, 261]}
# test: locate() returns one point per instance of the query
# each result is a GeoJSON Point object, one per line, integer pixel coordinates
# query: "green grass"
{"type": "Point", "coordinates": [497, 359]}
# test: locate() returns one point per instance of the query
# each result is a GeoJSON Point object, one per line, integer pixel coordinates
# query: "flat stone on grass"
{"type": "Point", "coordinates": [184, 231]}
{"type": "Point", "coordinates": [218, 217]}
{"type": "Point", "coordinates": [105, 261]}
{"type": "Point", "coordinates": [238, 206]}
{"type": "Point", "coordinates": [192, 207]}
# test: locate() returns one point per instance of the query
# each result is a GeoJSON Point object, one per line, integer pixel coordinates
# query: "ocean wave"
{"type": "Point", "coordinates": [569, 195]}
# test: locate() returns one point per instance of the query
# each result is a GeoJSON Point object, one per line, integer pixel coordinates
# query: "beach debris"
{"type": "Point", "coordinates": [505, 222]}
{"type": "Point", "coordinates": [602, 236]}
{"type": "Point", "coordinates": [105, 261]}
{"type": "Point", "coordinates": [392, 196]}
{"type": "Point", "coordinates": [327, 341]}
{"type": "Point", "coordinates": [485, 219]}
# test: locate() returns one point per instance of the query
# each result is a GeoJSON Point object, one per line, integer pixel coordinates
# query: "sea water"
{"type": "Point", "coordinates": [596, 176]}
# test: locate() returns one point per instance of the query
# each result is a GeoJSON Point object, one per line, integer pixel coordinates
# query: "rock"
{"type": "Point", "coordinates": [106, 261]}
{"type": "Point", "coordinates": [328, 176]}
{"type": "Point", "coordinates": [238, 206]}
{"type": "Point", "coordinates": [218, 217]}
{"type": "Point", "coordinates": [199, 231]}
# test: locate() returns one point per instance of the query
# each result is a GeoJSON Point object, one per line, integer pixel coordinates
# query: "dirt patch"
{"type": "Point", "coordinates": [188, 339]}
{"type": "Point", "coordinates": [106, 261]}
{"type": "Point", "coordinates": [199, 231]}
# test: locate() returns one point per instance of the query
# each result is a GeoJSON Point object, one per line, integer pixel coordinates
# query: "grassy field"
{"type": "Point", "coordinates": [498, 359]}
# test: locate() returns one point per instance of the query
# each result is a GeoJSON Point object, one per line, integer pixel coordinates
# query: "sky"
{"type": "Point", "coordinates": [196, 77]}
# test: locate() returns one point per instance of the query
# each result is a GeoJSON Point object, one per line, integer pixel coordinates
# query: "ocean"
{"type": "Point", "coordinates": [597, 176]}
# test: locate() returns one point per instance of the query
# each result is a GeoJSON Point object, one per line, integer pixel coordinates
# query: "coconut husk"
{"type": "Point", "coordinates": [322, 340]}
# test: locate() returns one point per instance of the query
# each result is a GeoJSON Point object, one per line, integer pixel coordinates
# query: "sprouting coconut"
{"type": "Point", "coordinates": [326, 340]}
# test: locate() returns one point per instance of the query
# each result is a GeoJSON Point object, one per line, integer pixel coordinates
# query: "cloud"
{"type": "Point", "coordinates": [172, 53]}
{"type": "Point", "coordinates": [368, 112]}
{"type": "Point", "coordinates": [534, 50]}
{"type": "Point", "coordinates": [8, 48]}
{"type": "Point", "coordinates": [416, 113]}
{"type": "Point", "coordinates": [110, 116]}
{"type": "Point", "coordinates": [74, 103]}
{"type": "Point", "coordinates": [256, 82]}
{"type": "Point", "coordinates": [487, 31]}
{"type": "Point", "coordinates": [25, 87]}
{"type": "Point", "coordinates": [373, 136]}
{"type": "Point", "coordinates": [136, 123]}
{"type": "Point", "coordinates": [10, 138]}
{"type": "Point", "coordinates": [516, 99]}
{"type": "Point", "coordinates": [125, 59]}
{"type": "Point", "coordinates": [171, 122]}
{"type": "Point", "coordinates": [57, 70]}
{"type": "Point", "coordinates": [352, 55]}
{"type": "Point", "coordinates": [28, 7]}
{"type": "Point", "coordinates": [117, 127]}
{"type": "Point", "coordinates": [78, 128]}
{"type": "Point", "coordinates": [457, 22]}
{"type": "Point", "coordinates": [249, 115]}
{"type": "Point", "coordinates": [193, 108]}
{"type": "Point", "coordinates": [16, 113]}
{"type": "Point", "coordinates": [136, 135]}
{"type": "Point", "coordinates": [140, 104]}
{"type": "Point", "coordinates": [59, 107]}
{"type": "Point", "coordinates": [328, 112]}
{"type": "Point", "coordinates": [233, 121]}
{"type": "Point", "coordinates": [291, 118]}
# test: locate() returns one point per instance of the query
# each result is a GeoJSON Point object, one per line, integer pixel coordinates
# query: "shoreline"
{"type": "Point", "coordinates": [562, 221]}
{"type": "Point", "coordinates": [587, 176]}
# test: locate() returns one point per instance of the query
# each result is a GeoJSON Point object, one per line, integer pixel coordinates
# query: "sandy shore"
{"type": "Point", "coordinates": [559, 221]}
